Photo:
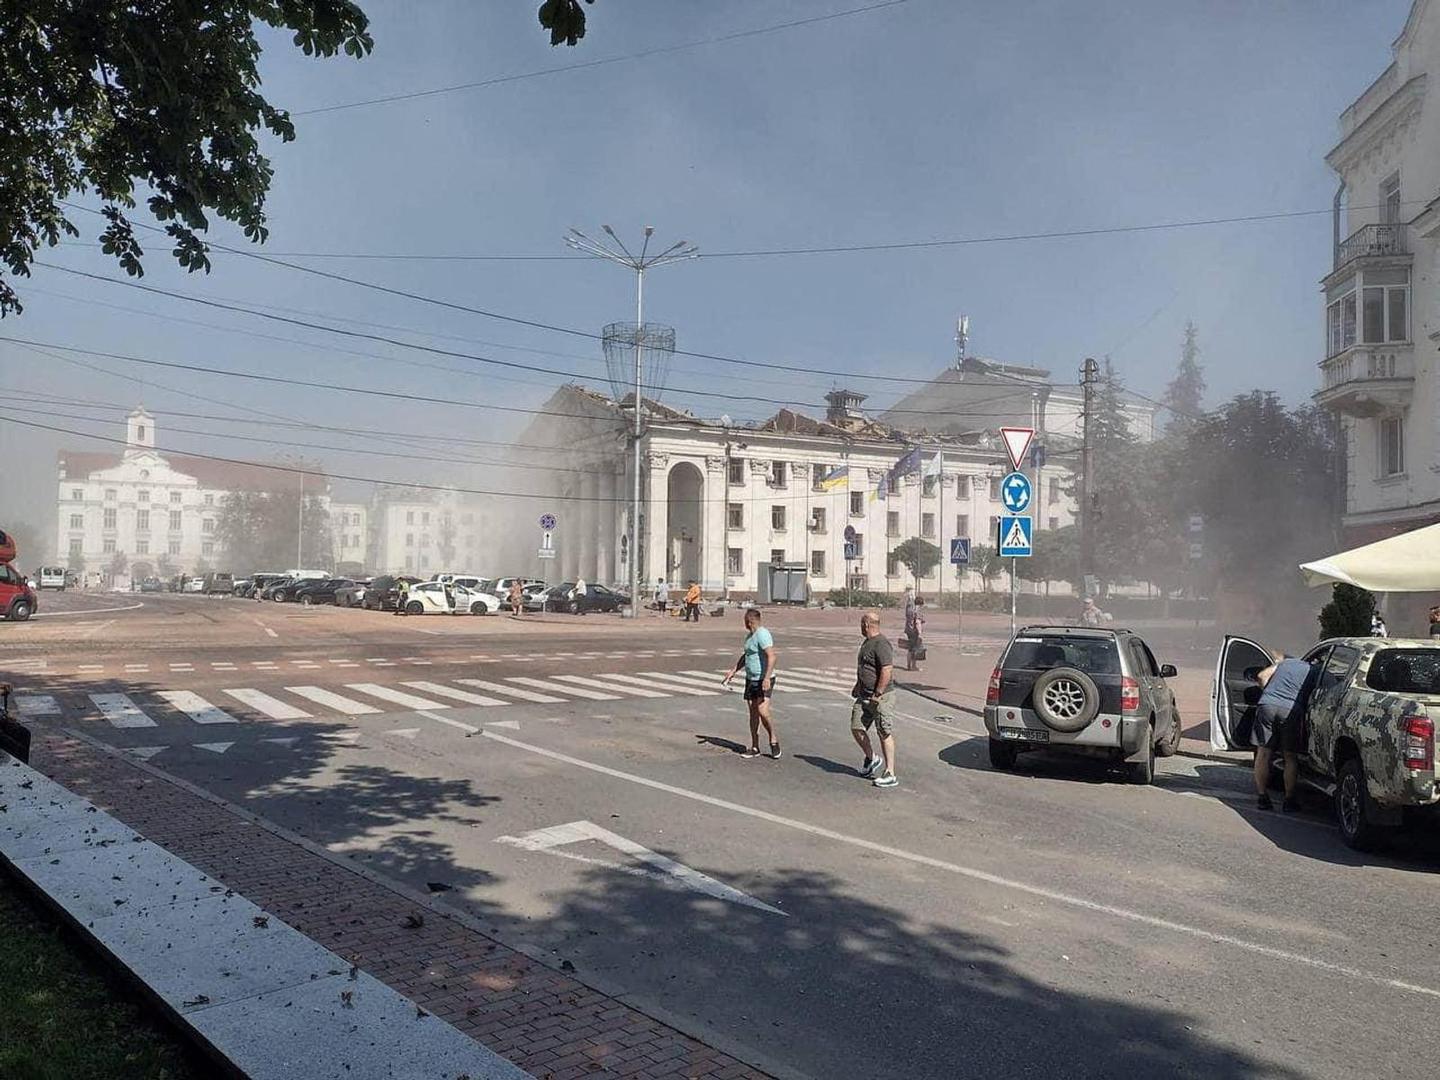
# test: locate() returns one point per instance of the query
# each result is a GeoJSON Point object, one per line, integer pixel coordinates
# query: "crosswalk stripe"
{"type": "Point", "coordinates": [709, 685]}
{"type": "Point", "coordinates": [196, 707]}
{"type": "Point", "coordinates": [459, 695]}
{"type": "Point", "coordinates": [339, 702]}
{"type": "Point", "coordinates": [711, 678]}
{"type": "Point", "coordinates": [652, 678]}
{"type": "Point", "coordinates": [36, 705]}
{"type": "Point", "coordinates": [515, 692]}
{"type": "Point", "coordinates": [616, 683]}
{"type": "Point", "coordinates": [573, 691]}
{"type": "Point", "coordinates": [399, 697]}
{"type": "Point", "coordinates": [815, 682]}
{"type": "Point", "coordinates": [121, 711]}
{"type": "Point", "coordinates": [264, 703]}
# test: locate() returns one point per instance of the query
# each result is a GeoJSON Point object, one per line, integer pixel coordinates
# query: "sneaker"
{"type": "Point", "coordinates": [872, 767]}
{"type": "Point", "coordinates": [886, 780]}
{"type": "Point", "coordinates": [752, 752]}
{"type": "Point", "coordinates": [1290, 806]}
{"type": "Point", "coordinates": [1264, 803]}
{"type": "Point", "coordinates": [775, 751]}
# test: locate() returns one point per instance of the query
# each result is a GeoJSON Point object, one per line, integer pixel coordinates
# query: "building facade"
{"type": "Point", "coordinates": [1382, 307]}
{"type": "Point", "coordinates": [423, 532]}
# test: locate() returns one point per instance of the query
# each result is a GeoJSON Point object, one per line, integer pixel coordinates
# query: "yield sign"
{"type": "Point", "coordinates": [653, 864]}
{"type": "Point", "coordinates": [1017, 442]}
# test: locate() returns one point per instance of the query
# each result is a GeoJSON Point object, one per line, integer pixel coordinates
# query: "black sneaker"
{"type": "Point", "coordinates": [1290, 806]}
{"type": "Point", "coordinates": [1264, 803]}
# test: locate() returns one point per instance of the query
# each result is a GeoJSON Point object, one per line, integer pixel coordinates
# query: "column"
{"type": "Point", "coordinates": [605, 569]}
{"type": "Point", "coordinates": [588, 487]}
{"type": "Point", "coordinates": [654, 478]}
{"type": "Point", "coordinates": [716, 493]}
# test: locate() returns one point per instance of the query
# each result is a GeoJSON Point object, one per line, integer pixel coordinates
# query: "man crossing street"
{"type": "Point", "coordinates": [874, 695]}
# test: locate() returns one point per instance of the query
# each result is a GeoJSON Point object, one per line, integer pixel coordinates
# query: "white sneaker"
{"type": "Point", "coordinates": [872, 767]}
{"type": "Point", "coordinates": [886, 780]}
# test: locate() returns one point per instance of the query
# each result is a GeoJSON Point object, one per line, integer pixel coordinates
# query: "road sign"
{"type": "Point", "coordinates": [850, 551]}
{"type": "Point", "coordinates": [1017, 441]}
{"type": "Point", "coordinates": [960, 551]}
{"type": "Point", "coordinates": [1197, 551]}
{"type": "Point", "coordinates": [546, 553]}
{"type": "Point", "coordinates": [547, 522]}
{"type": "Point", "coordinates": [547, 541]}
{"type": "Point", "coordinates": [850, 534]}
{"type": "Point", "coordinates": [1016, 493]}
{"type": "Point", "coordinates": [1015, 536]}
{"type": "Point", "coordinates": [1197, 523]}
{"type": "Point", "coordinates": [1037, 456]}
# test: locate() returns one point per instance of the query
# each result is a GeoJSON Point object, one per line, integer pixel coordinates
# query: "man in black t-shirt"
{"type": "Point", "coordinates": [874, 695]}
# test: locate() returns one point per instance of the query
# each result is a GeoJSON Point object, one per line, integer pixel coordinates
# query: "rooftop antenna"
{"type": "Point", "coordinates": [962, 338]}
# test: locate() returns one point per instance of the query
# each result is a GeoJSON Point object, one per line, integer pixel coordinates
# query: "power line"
{"type": "Point", "coordinates": [600, 62]}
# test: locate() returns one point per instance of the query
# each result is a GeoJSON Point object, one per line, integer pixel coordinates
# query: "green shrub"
{"type": "Point", "coordinates": [1348, 613]}
{"type": "Point", "coordinates": [862, 598]}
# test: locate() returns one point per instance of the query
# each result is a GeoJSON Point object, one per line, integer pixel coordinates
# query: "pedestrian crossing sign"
{"type": "Point", "coordinates": [1015, 536]}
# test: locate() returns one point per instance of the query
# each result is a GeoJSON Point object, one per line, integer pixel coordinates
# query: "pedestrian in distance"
{"type": "Point", "coordinates": [1378, 627]}
{"type": "Point", "coordinates": [915, 634]}
{"type": "Point", "coordinates": [402, 597]}
{"type": "Point", "coordinates": [517, 599]}
{"type": "Point", "coordinates": [1435, 621]}
{"type": "Point", "coordinates": [662, 595]}
{"type": "Point", "coordinates": [692, 602]}
{"type": "Point", "coordinates": [1279, 725]}
{"type": "Point", "coordinates": [874, 702]}
{"type": "Point", "coordinates": [757, 660]}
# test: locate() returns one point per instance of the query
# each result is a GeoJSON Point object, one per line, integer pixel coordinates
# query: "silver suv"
{"type": "Point", "coordinates": [1097, 692]}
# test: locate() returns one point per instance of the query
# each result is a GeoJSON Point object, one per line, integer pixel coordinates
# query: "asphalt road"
{"type": "Point", "coordinates": [968, 923]}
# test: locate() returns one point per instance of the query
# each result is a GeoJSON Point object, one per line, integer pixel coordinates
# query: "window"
{"type": "Point", "coordinates": [1404, 671]}
{"type": "Point", "coordinates": [962, 524]}
{"type": "Point", "coordinates": [409, 539]}
{"type": "Point", "coordinates": [142, 520]}
{"type": "Point", "coordinates": [409, 517]}
{"type": "Point", "coordinates": [207, 527]}
{"type": "Point", "coordinates": [109, 494]}
{"type": "Point", "coordinates": [735, 516]}
{"type": "Point", "coordinates": [425, 518]}
{"type": "Point", "coordinates": [174, 496]}
{"type": "Point", "coordinates": [777, 556]}
{"type": "Point", "coordinates": [817, 563]}
{"type": "Point", "coordinates": [733, 560]}
{"type": "Point", "coordinates": [892, 523]}
{"type": "Point", "coordinates": [174, 547]}
{"type": "Point", "coordinates": [1392, 446]}
{"type": "Point", "coordinates": [817, 519]}
{"type": "Point", "coordinates": [737, 475]}
{"type": "Point", "coordinates": [77, 521]}
{"type": "Point", "coordinates": [1337, 667]}
{"type": "Point", "coordinates": [927, 525]}
{"type": "Point", "coordinates": [77, 494]}
{"type": "Point", "coordinates": [209, 499]}
{"type": "Point", "coordinates": [140, 433]}
{"type": "Point", "coordinates": [857, 504]}
{"type": "Point", "coordinates": [778, 472]}
{"type": "Point", "coordinates": [994, 489]}
{"type": "Point", "coordinates": [355, 519]}
{"type": "Point", "coordinates": [1144, 661]}
{"type": "Point", "coordinates": [962, 487]}
{"type": "Point", "coordinates": [109, 522]}
{"type": "Point", "coordinates": [892, 565]}
{"type": "Point", "coordinates": [929, 485]}
{"type": "Point", "coordinates": [424, 540]}
{"type": "Point", "coordinates": [1340, 317]}
{"type": "Point", "coordinates": [142, 496]}
{"type": "Point", "coordinates": [207, 548]}
{"type": "Point", "coordinates": [77, 547]}
{"type": "Point", "coordinates": [892, 485]}
{"type": "Point", "coordinates": [108, 547]}
{"type": "Point", "coordinates": [777, 518]}
{"type": "Point", "coordinates": [1390, 200]}
{"type": "Point", "coordinates": [142, 547]}
{"type": "Point", "coordinates": [174, 520]}
{"type": "Point", "coordinates": [1054, 491]}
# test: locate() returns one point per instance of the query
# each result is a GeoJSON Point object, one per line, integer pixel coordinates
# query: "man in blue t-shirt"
{"type": "Point", "coordinates": [758, 661]}
{"type": "Point", "coordinates": [1280, 724]}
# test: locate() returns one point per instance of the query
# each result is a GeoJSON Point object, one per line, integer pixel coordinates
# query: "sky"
{"type": "Point", "coordinates": [926, 120]}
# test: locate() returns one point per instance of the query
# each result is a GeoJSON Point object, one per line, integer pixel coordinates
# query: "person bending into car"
{"type": "Point", "coordinates": [1279, 725]}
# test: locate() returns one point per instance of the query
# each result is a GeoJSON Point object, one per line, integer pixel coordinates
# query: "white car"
{"type": "Point", "coordinates": [430, 599]}
{"type": "Point", "coordinates": [194, 584]}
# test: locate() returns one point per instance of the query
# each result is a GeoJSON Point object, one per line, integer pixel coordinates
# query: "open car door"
{"type": "Point", "coordinates": [1234, 691]}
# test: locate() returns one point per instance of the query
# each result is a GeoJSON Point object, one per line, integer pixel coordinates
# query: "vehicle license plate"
{"type": "Point", "coordinates": [1028, 734]}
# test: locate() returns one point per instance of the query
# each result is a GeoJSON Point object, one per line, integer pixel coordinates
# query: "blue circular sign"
{"type": "Point", "coordinates": [1016, 493]}
{"type": "Point", "coordinates": [547, 522]}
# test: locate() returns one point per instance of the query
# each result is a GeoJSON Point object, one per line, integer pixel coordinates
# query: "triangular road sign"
{"type": "Point", "coordinates": [1017, 442]}
{"type": "Point", "coordinates": [1016, 538]}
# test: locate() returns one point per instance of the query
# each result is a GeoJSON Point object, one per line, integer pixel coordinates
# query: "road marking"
{"type": "Point", "coordinates": [406, 732]}
{"type": "Point", "coordinates": [574, 691]}
{"type": "Point", "coordinates": [339, 702]}
{"type": "Point", "coordinates": [267, 629]}
{"type": "Point", "coordinates": [137, 667]}
{"type": "Point", "coordinates": [305, 663]}
{"type": "Point", "coordinates": [786, 677]}
{"type": "Point", "coordinates": [458, 695]}
{"type": "Point", "coordinates": [90, 667]}
{"type": "Point", "coordinates": [660, 869]}
{"type": "Point", "coordinates": [121, 711]}
{"type": "Point", "coordinates": [674, 686]}
{"type": "Point", "coordinates": [84, 611]}
{"type": "Point", "coordinates": [600, 684]}
{"type": "Point", "coordinates": [469, 729]}
{"type": "Point", "coordinates": [222, 665]}
{"type": "Point", "coordinates": [1068, 899]}
{"type": "Point", "coordinates": [398, 697]}
{"type": "Point", "coordinates": [144, 753]}
{"type": "Point", "coordinates": [285, 742]}
{"type": "Point", "coordinates": [346, 663]}
{"type": "Point", "coordinates": [710, 680]}
{"type": "Point", "coordinates": [522, 695]}
{"type": "Point", "coordinates": [182, 667]}
{"type": "Point", "coordinates": [264, 703]}
{"type": "Point", "coordinates": [36, 705]}
{"type": "Point", "coordinates": [196, 707]}
{"type": "Point", "coordinates": [214, 747]}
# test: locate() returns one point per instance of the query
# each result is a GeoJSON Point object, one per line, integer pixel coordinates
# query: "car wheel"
{"type": "Point", "coordinates": [1065, 699]}
{"type": "Point", "coordinates": [479, 607]}
{"type": "Point", "coordinates": [1171, 745]}
{"type": "Point", "coordinates": [1352, 807]}
{"type": "Point", "coordinates": [415, 607]}
{"type": "Point", "coordinates": [279, 598]}
{"type": "Point", "coordinates": [1143, 771]}
{"type": "Point", "coordinates": [575, 608]}
{"type": "Point", "coordinates": [307, 601]}
{"type": "Point", "coordinates": [20, 611]}
{"type": "Point", "coordinates": [1002, 754]}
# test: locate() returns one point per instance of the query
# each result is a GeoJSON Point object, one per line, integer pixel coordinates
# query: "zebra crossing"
{"type": "Point", "coordinates": [304, 701]}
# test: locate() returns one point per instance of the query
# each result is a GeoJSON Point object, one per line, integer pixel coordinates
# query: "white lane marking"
{"type": "Point", "coordinates": [573, 691]}
{"type": "Point", "coordinates": [1069, 899]}
{"type": "Point", "coordinates": [521, 695]}
{"type": "Point", "coordinates": [344, 663]}
{"type": "Point", "coordinates": [196, 707]}
{"type": "Point", "coordinates": [600, 684]}
{"type": "Point", "coordinates": [268, 631]}
{"type": "Point", "coordinates": [214, 747]}
{"type": "Point", "coordinates": [84, 611]}
{"type": "Point", "coordinates": [264, 703]}
{"type": "Point", "coordinates": [810, 682]}
{"type": "Point", "coordinates": [305, 663]}
{"type": "Point", "coordinates": [36, 705]}
{"type": "Point", "coordinates": [222, 665]}
{"type": "Point", "coordinates": [90, 667]}
{"type": "Point", "coordinates": [708, 679]}
{"type": "Point", "coordinates": [182, 667]}
{"type": "Point", "coordinates": [121, 711]}
{"type": "Point", "coordinates": [713, 679]}
{"type": "Point", "coordinates": [469, 729]}
{"type": "Point", "coordinates": [144, 753]}
{"type": "Point", "coordinates": [673, 686]}
{"type": "Point", "coordinates": [440, 690]}
{"type": "Point", "coordinates": [404, 732]}
{"type": "Point", "coordinates": [331, 700]}
{"type": "Point", "coordinates": [398, 697]}
{"type": "Point", "coordinates": [661, 869]}
{"type": "Point", "coordinates": [285, 742]}
{"type": "Point", "coordinates": [137, 667]}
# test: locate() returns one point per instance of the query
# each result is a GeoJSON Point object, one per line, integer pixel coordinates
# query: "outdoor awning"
{"type": "Point", "coordinates": [1409, 562]}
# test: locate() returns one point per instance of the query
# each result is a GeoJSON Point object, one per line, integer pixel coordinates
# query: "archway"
{"type": "Point", "coordinates": [683, 540]}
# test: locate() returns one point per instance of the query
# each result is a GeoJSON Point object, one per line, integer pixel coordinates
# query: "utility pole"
{"type": "Point", "coordinates": [1089, 375]}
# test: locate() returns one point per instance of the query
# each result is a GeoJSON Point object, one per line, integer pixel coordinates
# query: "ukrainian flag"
{"type": "Point", "coordinates": [835, 477]}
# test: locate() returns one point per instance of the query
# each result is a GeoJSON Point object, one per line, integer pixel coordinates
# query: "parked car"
{"type": "Point", "coordinates": [320, 592]}
{"type": "Point", "coordinates": [194, 585]}
{"type": "Point", "coordinates": [533, 597]}
{"type": "Point", "coordinates": [50, 577]}
{"type": "Point", "coordinates": [435, 597]}
{"type": "Point", "coordinates": [284, 591]}
{"type": "Point", "coordinates": [562, 597]}
{"type": "Point", "coordinates": [1083, 690]}
{"type": "Point", "coordinates": [255, 583]}
{"type": "Point", "coordinates": [351, 595]}
{"type": "Point", "coordinates": [17, 599]}
{"type": "Point", "coordinates": [383, 591]}
{"type": "Point", "coordinates": [501, 586]}
{"type": "Point", "coordinates": [1368, 727]}
{"type": "Point", "coordinates": [219, 584]}
{"type": "Point", "coordinates": [152, 585]}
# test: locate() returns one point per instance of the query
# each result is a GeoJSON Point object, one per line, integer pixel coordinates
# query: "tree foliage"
{"type": "Point", "coordinates": [918, 556]}
{"type": "Point", "coordinates": [565, 19]}
{"type": "Point", "coordinates": [1348, 613]}
{"type": "Point", "coordinates": [98, 96]}
{"type": "Point", "coordinates": [1185, 394]}
{"type": "Point", "coordinates": [257, 531]}
{"type": "Point", "coordinates": [987, 563]}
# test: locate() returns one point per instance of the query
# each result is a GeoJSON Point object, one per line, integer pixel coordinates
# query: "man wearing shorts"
{"type": "Point", "coordinates": [1279, 725]}
{"type": "Point", "coordinates": [758, 660]}
{"type": "Point", "coordinates": [874, 695]}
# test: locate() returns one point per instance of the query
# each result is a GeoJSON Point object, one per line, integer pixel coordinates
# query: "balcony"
{"type": "Point", "coordinates": [1367, 380]}
{"type": "Point", "coordinates": [1370, 240]}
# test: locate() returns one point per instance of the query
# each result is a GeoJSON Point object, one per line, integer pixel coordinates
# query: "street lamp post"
{"type": "Point", "coordinates": [615, 251]}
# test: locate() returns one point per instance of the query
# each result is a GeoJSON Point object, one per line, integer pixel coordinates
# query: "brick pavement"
{"type": "Point", "coordinates": [544, 1020]}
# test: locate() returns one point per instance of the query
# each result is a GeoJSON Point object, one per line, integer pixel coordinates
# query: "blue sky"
{"type": "Point", "coordinates": [933, 119]}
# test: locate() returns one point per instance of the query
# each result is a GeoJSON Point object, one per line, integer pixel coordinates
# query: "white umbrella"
{"type": "Point", "coordinates": [1409, 562]}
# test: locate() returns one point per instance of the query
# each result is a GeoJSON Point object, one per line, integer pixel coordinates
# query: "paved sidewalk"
{"type": "Point", "coordinates": [542, 1019]}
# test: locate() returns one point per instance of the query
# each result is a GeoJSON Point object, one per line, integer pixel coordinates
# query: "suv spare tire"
{"type": "Point", "coordinates": [1065, 699]}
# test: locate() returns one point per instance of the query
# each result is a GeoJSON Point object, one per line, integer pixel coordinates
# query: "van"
{"type": "Point", "coordinates": [50, 577]}
{"type": "Point", "coordinates": [219, 583]}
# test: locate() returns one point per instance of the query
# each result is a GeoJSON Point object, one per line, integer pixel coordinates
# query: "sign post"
{"type": "Point", "coordinates": [960, 559]}
{"type": "Point", "coordinates": [850, 553]}
{"type": "Point", "coordinates": [1015, 541]}
{"type": "Point", "coordinates": [547, 536]}
{"type": "Point", "coordinates": [1016, 492]}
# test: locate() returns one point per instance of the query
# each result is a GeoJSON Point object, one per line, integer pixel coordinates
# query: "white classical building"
{"type": "Point", "coordinates": [1382, 305]}
{"type": "Point", "coordinates": [422, 532]}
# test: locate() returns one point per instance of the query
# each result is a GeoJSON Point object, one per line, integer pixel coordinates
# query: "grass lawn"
{"type": "Point", "coordinates": [62, 1015]}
